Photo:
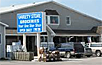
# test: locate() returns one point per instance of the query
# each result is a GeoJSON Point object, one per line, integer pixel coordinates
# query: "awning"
{"type": "Point", "coordinates": [13, 32]}
{"type": "Point", "coordinates": [51, 12]}
{"type": "Point", "coordinates": [58, 34]}
{"type": "Point", "coordinates": [75, 33]}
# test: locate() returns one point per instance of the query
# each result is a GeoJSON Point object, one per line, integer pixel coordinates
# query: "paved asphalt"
{"type": "Point", "coordinates": [73, 61]}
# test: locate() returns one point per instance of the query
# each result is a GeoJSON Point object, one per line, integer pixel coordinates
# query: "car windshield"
{"type": "Point", "coordinates": [78, 45]}
{"type": "Point", "coordinates": [96, 45]}
{"type": "Point", "coordinates": [65, 45]}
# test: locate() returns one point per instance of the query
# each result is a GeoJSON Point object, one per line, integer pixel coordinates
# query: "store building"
{"type": "Point", "coordinates": [63, 24]}
{"type": "Point", "coordinates": [2, 39]}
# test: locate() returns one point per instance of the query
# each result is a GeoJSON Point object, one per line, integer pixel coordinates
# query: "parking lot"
{"type": "Point", "coordinates": [71, 61]}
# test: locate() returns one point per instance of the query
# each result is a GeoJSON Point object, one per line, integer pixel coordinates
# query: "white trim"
{"type": "Point", "coordinates": [13, 34]}
{"type": "Point", "coordinates": [22, 35]}
{"type": "Point", "coordinates": [44, 20]}
{"type": "Point", "coordinates": [49, 21]}
{"type": "Point", "coordinates": [4, 42]}
{"type": "Point", "coordinates": [53, 33]}
{"type": "Point", "coordinates": [69, 20]}
{"type": "Point", "coordinates": [4, 24]}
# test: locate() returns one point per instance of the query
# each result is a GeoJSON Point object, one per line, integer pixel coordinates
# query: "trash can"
{"type": "Point", "coordinates": [9, 52]}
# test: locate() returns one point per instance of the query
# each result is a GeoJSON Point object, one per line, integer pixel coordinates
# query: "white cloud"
{"type": "Point", "coordinates": [58, 0]}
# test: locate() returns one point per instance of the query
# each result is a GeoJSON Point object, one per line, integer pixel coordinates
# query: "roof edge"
{"type": "Point", "coordinates": [4, 24]}
{"type": "Point", "coordinates": [36, 4]}
{"type": "Point", "coordinates": [39, 3]}
{"type": "Point", "coordinates": [76, 11]}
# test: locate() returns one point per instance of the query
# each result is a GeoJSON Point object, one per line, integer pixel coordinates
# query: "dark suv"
{"type": "Point", "coordinates": [81, 50]}
{"type": "Point", "coordinates": [70, 49]}
{"type": "Point", "coordinates": [78, 49]}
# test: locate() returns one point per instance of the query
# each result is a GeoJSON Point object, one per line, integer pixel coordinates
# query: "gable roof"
{"type": "Point", "coordinates": [4, 24]}
{"type": "Point", "coordinates": [18, 7]}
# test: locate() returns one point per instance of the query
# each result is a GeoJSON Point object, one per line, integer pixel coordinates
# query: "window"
{"type": "Point", "coordinates": [62, 39]}
{"type": "Point", "coordinates": [68, 20]}
{"type": "Point", "coordinates": [43, 39]}
{"type": "Point", "coordinates": [0, 38]}
{"type": "Point", "coordinates": [53, 19]}
{"type": "Point", "coordinates": [96, 45]}
{"type": "Point", "coordinates": [46, 20]}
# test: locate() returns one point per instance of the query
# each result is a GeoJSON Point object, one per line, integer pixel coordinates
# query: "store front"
{"type": "Point", "coordinates": [65, 36]}
{"type": "Point", "coordinates": [2, 39]}
{"type": "Point", "coordinates": [31, 38]}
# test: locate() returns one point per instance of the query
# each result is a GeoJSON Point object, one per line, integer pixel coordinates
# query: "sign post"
{"type": "Point", "coordinates": [24, 43]}
{"type": "Point", "coordinates": [38, 44]}
{"type": "Point", "coordinates": [31, 23]}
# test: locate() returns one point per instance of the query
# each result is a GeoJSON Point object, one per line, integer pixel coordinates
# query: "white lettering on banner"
{"type": "Point", "coordinates": [35, 29]}
{"type": "Point", "coordinates": [35, 16]}
{"type": "Point", "coordinates": [37, 25]}
{"type": "Point", "coordinates": [28, 30]}
{"type": "Point", "coordinates": [31, 25]}
{"type": "Point", "coordinates": [22, 30]}
{"type": "Point", "coordinates": [37, 20]}
{"type": "Point", "coordinates": [26, 26]}
{"type": "Point", "coordinates": [29, 21]}
{"type": "Point", "coordinates": [38, 29]}
{"type": "Point", "coordinates": [29, 16]}
{"type": "Point", "coordinates": [20, 26]}
{"type": "Point", "coordinates": [24, 17]}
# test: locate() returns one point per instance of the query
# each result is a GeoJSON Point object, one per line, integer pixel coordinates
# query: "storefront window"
{"type": "Point", "coordinates": [95, 39]}
{"type": "Point", "coordinates": [62, 39]}
{"type": "Point", "coordinates": [0, 38]}
{"type": "Point", "coordinates": [43, 39]}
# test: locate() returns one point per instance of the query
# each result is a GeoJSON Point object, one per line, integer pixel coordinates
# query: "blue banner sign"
{"type": "Point", "coordinates": [31, 22]}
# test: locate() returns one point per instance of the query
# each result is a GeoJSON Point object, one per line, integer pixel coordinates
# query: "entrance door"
{"type": "Point", "coordinates": [30, 44]}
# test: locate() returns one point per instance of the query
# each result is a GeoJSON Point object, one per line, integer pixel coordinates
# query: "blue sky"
{"type": "Point", "coordinates": [89, 7]}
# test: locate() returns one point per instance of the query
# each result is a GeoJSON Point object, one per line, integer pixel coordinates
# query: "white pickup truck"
{"type": "Point", "coordinates": [96, 48]}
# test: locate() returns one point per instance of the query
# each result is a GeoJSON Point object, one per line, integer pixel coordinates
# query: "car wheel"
{"type": "Point", "coordinates": [78, 56]}
{"type": "Point", "coordinates": [98, 53]}
{"type": "Point", "coordinates": [68, 55]}
{"type": "Point", "coordinates": [88, 55]}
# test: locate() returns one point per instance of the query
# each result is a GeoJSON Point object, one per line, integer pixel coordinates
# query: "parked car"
{"type": "Point", "coordinates": [96, 48]}
{"type": "Point", "coordinates": [88, 51]}
{"type": "Point", "coordinates": [70, 49]}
